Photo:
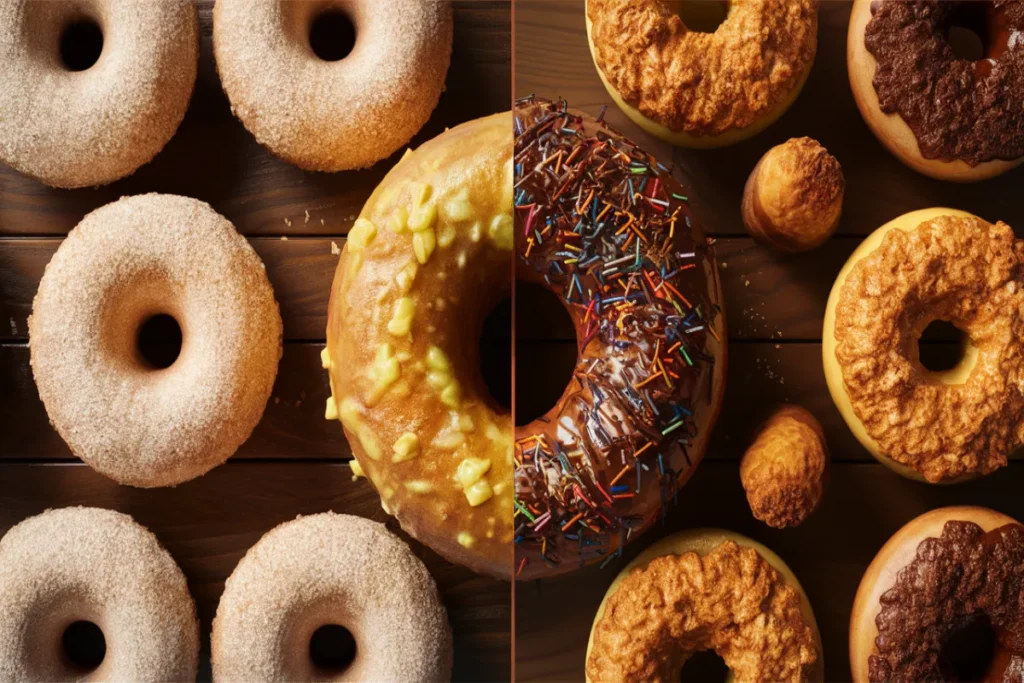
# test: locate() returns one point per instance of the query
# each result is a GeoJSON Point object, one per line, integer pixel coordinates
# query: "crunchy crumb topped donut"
{"type": "Point", "coordinates": [699, 89]}
{"type": "Point", "coordinates": [333, 115]}
{"type": "Point", "coordinates": [331, 570]}
{"type": "Point", "coordinates": [70, 126]}
{"type": "Point", "coordinates": [705, 589]}
{"type": "Point", "coordinates": [124, 264]}
{"type": "Point", "coordinates": [73, 565]}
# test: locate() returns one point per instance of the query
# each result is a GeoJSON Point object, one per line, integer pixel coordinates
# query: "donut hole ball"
{"type": "Point", "coordinates": [332, 649]}
{"type": "Point", "coordinates": [81, 44]}
{"type": "Point", "coordinates": [708, 665]}
{"type": "Point", "coordinates": [968, 652]}
{"type": "Point", "coordinates": [332, 35]}
{"type": "Point", "coordinates": [544, 368]}
{"type": "Point", "coordinates": [943, 350]}
{"type": "Point", "coordinates": [700, 17]}
{"type": "Point", "coordinates": [83, 646]}
{"type": "Point", "coordinates": [496, 355]}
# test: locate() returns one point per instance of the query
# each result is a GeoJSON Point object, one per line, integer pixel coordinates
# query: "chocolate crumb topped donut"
{"type": "Point", "coordinates": [946, 115]}
{"type": "Point", "coordinates": [606, 228]}
{"type": "Point", "coordinates": [943, 601]}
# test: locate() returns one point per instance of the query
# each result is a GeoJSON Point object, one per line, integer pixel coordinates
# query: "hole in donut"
{"type": "Point", "coordinates": [545, 351]}
{"type": "Point", "coordinates": [496, 354]}
{"type": "Point", "coordinates": [968, 652]}
{"type": "Point", "coordinates": [941, 346]}
{"type": "Point", "coordinates": [968, 32]}
{"type": "Point", "coordinates": [332, 648]}
{"type": "Point", "coordinates": [705, 666]}
{"type": "Point", "coordinates": [84, 645]}
{"type": "Point", "coordinates": [159, 341]}
{"type": "Point", "coordinates": [81, 44]}
{"type": "Point", "coordinates": [700, 16]}
{"type": "Point", "coordinates": [332, 35]}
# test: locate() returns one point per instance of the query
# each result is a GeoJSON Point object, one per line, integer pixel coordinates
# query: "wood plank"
{"type": "Point", "coordinates": [259, 193]}
{"type": "Point", "coordinates": [216, 518]}
{"type": "Point", "coordinates": [863, 506]}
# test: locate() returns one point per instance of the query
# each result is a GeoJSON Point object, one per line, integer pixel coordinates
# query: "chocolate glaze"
{"type": "Point", "coordinates": [956, 108]}
{"type": "Point", "coordinates": [964, 575]}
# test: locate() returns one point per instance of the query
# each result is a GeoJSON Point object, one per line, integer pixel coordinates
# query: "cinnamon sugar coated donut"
{"type": "Point", "coordinates": [333, 115]}
{"type": "Point", "coordinates": [124, 264]}
{"type": "Point", "coordinates": [99, 566]}
{"type": "Point", "coordinates": [331, 570]}
{"type": "Point", "coordinates": [75, 128]}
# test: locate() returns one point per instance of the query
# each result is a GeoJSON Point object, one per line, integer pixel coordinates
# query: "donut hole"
{"type": "Point", "coordinates": [969, 650]}
{"type": "Point", "coordinates": [968, 31]}
{"type": "Point", "coordinates": [84, 646]}
{"type": "Point", "coordinates": [545, 351]}
{"type": "Point", "coordinates": [702, 16]}
{"type": "Point", "coordinates": [496, 354]}
{"type": "Point", "coordinates": [81, 44]}
{"type": "Point", "coordinates": [941, 347]}
{"type": "Point", "coordinates": [706, 666]}
{"type": "Point", "coordinates": [332, 648]}
{"type": "Point", "coordinates": [159, 341]}
{"type": "Point", "coordinates": [332, 35]}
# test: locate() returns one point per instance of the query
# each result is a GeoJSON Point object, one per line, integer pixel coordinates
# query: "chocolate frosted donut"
{"type": "Point", "coordinates": [123, 265]}
{"type": "Point", "coordinates": [608, 229]}
{"type": "Point", "coordinates": [75, 124]}
{"type": "Point", "coordinates": [331, 570]}
{"type": "Point", "coordinates": [75, 565]}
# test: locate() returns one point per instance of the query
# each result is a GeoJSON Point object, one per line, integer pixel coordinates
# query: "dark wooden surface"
{"type": "Point", "coordinates": [295, 462]}
{"type": "Point", "coordinates": [775, 305]}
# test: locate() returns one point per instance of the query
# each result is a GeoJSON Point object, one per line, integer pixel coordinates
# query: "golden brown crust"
{"type": "Point", "coordinates": [704, 83]}
{"type": "Point", "coordinates": [730, 600]}
{"type": "Point", "coordinates": [783, 471]}
{"type": "Point", "coordinates": [794, 196]}
{"type": "Point", "coordinates": [962, 270]}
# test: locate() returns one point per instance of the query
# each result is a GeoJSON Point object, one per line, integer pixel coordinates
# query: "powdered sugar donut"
{"type": "Point", "coordinates": [78, 566]}
{"type": "Point", "coordinates": [331, 571]}
{"type": "Point", "coordinates": [336, 111]}
{"type": "Point", "coordinates": [75, 123]}
{"type": "Point", "coordinates": [128, 263]}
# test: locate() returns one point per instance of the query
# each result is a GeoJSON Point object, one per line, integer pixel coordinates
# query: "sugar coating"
{"type": "Point", "coordinates": [76, 129]}
{"type": "Point", "coordinates": [125, 262]}
{"type": "Point", "coordinates": [331, 569]}
{"type": "Point", "coordinates": [333, 116]}
{"type": "Point", "coordinates": [87, 564]}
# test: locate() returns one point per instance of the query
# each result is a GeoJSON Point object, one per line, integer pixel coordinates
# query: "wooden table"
{"type": "Point", "coordinates": [774, 307]}
{"type": "Point", "coordinates": [296, 462]}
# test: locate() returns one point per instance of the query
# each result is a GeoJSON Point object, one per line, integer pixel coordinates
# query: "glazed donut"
{"type": "Point", "coordinates": [928, 265]}
{"type": "Point", "coordinates": [942, 115]}
{"type": "Point", "coordinates": [74, 565]}
{"type": "Point", "coordinates": [330, 570]}
{"type": "Point", "coordinates": [705, 589]}
{"type": "Point", "coordinates": [125, 264]}
{"type": "Point", "coordinates": [695, 89]}
{"type": "Point", "coordinates": [952, 571]}
{"type": "Point", "coordinates": [333, 115]}
{"type": "Point", "coordinates": [426, 261]}
{"type": "Point", "coordinates": [75, 128]}
{"type": "Point", "coordinates": [606, 228]}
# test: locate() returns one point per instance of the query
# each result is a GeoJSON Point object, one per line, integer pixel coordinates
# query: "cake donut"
{"type": "Point", "coordinates": [71, 123]}
{"type": "Point", "coordinates": [333, 115]}
{"type": "Point", "coordinates": [124, 265]}
{"type": "Point", "coordinates": [946, 116]}
{"type": "Point", "coordinates": [74, 566]}
{"type": "Point", "coordinates": [943, 601]}
{"type": "Point", "coordinates": [928, 265]}
{"type": "Point", "coordinates": [426, 261]}
{"type": "Point", "coordinates": [335, 571]}
{"type": "Point", "coordinates": [705, 589]}
{"type": "Point", "coordinates": [606, 228]}
{"type": "Point", "coordinates": [696, 89]}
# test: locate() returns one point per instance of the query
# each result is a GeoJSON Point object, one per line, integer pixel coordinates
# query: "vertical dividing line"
{"type": "Point", "coordinates": [512, 275]}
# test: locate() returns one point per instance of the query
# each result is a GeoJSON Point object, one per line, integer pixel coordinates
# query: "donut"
{"type": "Point", "coordinates": [330, 113]}
{"type": "Point", "coordinates": [943, 601]}
{"type": "Point", "coordinates": [785, 469]}
{"type": "Point", "coordinates": [705, 589]}
{"type": "Point", "coordinates": [426, 261]}
{"type": "Point", "coordinates": [928, 265]}
{"type": "Point", "coordinates": [86, 568]}
{"type": "Point", "coordinates": [609, 231]}
{"type": "Point", "coordinates": [129, 263]}
{"type": "Point", "coordinates": [696, 89]}
{"type": "Point", "coordinates": [91, 90]}
{"type": "Point", "coordinates": [793, 198]}
{"type": "Point", "coordinates": [942, 115]}
{"type": "Point", "coordinates": [331, 570]}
